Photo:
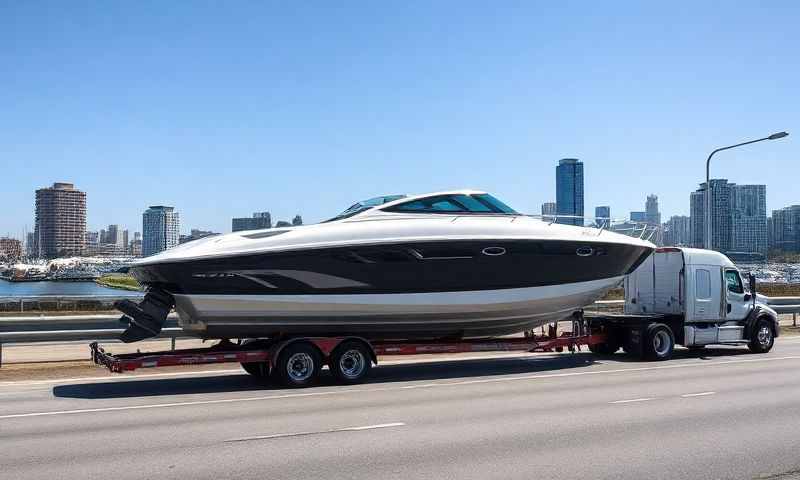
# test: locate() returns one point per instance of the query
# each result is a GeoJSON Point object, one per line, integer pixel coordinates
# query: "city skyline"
{"type": "Point", "coordinates": [308, 116]}
{"type": "Point", "coordinates": [741, 222]}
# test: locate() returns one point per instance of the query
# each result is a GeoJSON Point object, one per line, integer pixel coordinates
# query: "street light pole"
{"type": "Point", "coordinates": [707, 215]}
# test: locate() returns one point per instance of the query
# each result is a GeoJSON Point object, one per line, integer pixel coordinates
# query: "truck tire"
{"type": "Point", "coordinates": [660, 342]}
{"type": "Point", "coordinates": [256, 369]}
{"type": "Point", "coordinates": [763, 337]}
{"type": "Point", "coordinates": [350, 362]}
{"type": "Point", "coordinates": [298, 365]}
{"type": "Point", "coordinates": [608, 348]}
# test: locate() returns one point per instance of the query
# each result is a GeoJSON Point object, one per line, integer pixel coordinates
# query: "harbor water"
{"type": "Point", "coordinates": [24, 289]}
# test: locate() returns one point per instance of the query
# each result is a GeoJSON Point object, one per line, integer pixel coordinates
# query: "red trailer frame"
{"type": "Point", "coordinates": [227, 352]}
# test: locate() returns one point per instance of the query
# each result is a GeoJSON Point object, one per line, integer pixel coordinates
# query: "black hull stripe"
{"type": "Point", "coordinates": [399, 268]}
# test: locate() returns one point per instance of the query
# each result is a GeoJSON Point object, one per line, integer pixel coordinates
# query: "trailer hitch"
{"type": "Point", "coordinates": [146, 318]}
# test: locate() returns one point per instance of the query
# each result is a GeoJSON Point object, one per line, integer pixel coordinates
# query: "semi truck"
{"type": "Point", "coordinates": [677, 296]}
{"type": "Point", "coordinates": [690, 297]}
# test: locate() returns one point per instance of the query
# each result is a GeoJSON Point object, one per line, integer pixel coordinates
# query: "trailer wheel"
{"type": "Point", "coordinates": [660, 342]}
{"type": "Point", "coordinates": [298, 365]}
{"type": "Point", "coordinates": [763, 337]}
{"type": "Point", "coordinates": [350, 362]}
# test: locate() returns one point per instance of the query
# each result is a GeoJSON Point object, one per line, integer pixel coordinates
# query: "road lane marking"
{"type": "Point", "coordinates": [699, 394]}
{"type": "Point", "coordinates": [633, 400]}
{"type": "Point", "coordinates": [702, 364]}
{"type": "Point", "coordinates": [317, 432]}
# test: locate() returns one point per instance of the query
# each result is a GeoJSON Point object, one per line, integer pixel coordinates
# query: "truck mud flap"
{"type": "Point", "coordinates": [146, 318]}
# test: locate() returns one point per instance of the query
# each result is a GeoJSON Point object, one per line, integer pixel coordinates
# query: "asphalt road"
{"type": "Point", "coordinates": [719, 414]}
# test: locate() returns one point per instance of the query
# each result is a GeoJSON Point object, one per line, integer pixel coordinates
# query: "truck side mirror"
{"type": "Point", "coordinates": [752, 280]}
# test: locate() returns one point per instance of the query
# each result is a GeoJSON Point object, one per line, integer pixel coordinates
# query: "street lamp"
{"type": "Point", "coordinates": [774, 136]}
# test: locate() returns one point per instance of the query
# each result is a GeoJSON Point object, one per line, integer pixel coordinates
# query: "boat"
{"type": "Point", "coordinates": [456, 264]}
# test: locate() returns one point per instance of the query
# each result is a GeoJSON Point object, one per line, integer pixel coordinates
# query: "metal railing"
{"type": "Point", "coordinates": [65, 300]}
{"type": "Point", "coordinates": [94, 327]}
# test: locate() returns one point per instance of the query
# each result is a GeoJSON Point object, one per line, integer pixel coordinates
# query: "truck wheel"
{"type": "Point", "coordinates": [350, 362]}
{"type": "Point", "coordinates": [660, 342]}
{"type": "Point", "coordinates": [608, 348]}
{"type": "Point", "coordinates": [256, 369]}
{"type": "Point", "coordinates": [763, 337]}
{"type": "Point", "coordinates": [298, 365]}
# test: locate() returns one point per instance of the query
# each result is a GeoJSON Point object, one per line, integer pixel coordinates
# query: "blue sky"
{"type": "Point", "coordinates": [304, 107]}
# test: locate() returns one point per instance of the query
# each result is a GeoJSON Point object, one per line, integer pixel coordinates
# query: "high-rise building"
{"type": "Point", "coordinates": [92, 238]}
{"type": "Point", "coordinates": [161, 229]}
{"type": "Point", "coordinates": [652, 215]}
{"type": "Point", "coordinates": [697, 222]}
{"type": "Point", "coordinates": [640, 217]}
{"type": "Point", "coordinates": [720, 215]}
{"type": "Point", "coordinates": [786, 229]}
{"type": "Point", "coordinates": [602, 215]}
{"type": "Point", "coordinates": [297, 221]}
{"type": "Point", "coordinates": [10, 249]}
{"type": "Point", "coordinates": [549, 211]}
{"type": "Point", "coordinates": [113, 235]}
{"type": "Point", "coordinates": [259, 221]}
{"type": "Point", "coordinates": [677, 231]}
{"type": "Point", "coordinates": [60, 221]}
{"type": "Point", "coordinates": [749, 218]}
{"type": "Point", "coordinates": [569, 191]}
{"type": "Point", "coordinates": [738, 217]}
{"type": "Point", "coordinates": [125, 241]}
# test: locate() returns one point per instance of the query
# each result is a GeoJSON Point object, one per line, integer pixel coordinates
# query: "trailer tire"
{"type": "Point", "coordinates": [660, 342]}
{"type": "Point", "coordinates": [298, 365]}
{"type": "Point", "coordinates": [763, 337]}
{"type": "Point", "coordinates": [350, 362]}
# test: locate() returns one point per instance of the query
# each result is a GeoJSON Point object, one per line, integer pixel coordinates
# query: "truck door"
{"type": "Point", "coordinates": [706, 299]}
{"type": "Point", "coordinates": [737, 306]}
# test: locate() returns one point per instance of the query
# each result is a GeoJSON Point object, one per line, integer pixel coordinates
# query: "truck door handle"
{"type": "Point", "coordinates": [730, 307]}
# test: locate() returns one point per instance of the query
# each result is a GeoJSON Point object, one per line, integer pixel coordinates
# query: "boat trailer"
{"type": "Point", "coordinates": [260, 357]}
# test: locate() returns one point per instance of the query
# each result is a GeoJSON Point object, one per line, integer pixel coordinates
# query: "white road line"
{"type": "Point", "coordinates": [700, 364]}
{"type": "Point", "coordinates": [317, 432]}
{"type": "Point", "coordinates": [633, 400]}
{"type": "Point", "coordinates": [700, 394]}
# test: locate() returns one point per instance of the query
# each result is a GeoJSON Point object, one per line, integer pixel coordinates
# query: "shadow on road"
{"type": "Point", "coordinates": [429, 370]}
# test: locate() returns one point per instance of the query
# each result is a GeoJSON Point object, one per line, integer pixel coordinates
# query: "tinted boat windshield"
{"type": "Point", "coordinates": [456, 203]}
{"type": "Point", "coordinates": [365, 205]}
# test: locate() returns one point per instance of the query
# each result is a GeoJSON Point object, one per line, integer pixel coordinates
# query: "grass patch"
{"type": "Point", "coordinates": [122, 282]}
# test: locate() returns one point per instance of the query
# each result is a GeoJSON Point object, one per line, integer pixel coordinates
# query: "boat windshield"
{"type": "Point", "coordinates": [364, 205]}
{"type": "Point", "coordinates": [455, 203]}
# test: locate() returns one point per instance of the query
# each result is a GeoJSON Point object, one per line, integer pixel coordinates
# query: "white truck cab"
{"type": "Point", "coordinates": [703, 297]}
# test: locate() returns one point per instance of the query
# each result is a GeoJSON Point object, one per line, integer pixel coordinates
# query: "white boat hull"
{"type": "Point", "coordinates": [470, 314]}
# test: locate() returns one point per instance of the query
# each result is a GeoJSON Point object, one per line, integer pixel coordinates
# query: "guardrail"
{"type": "Point", "coordinates": [19, 302]}
{"type": "Point", "coordinates": [65, 328]}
